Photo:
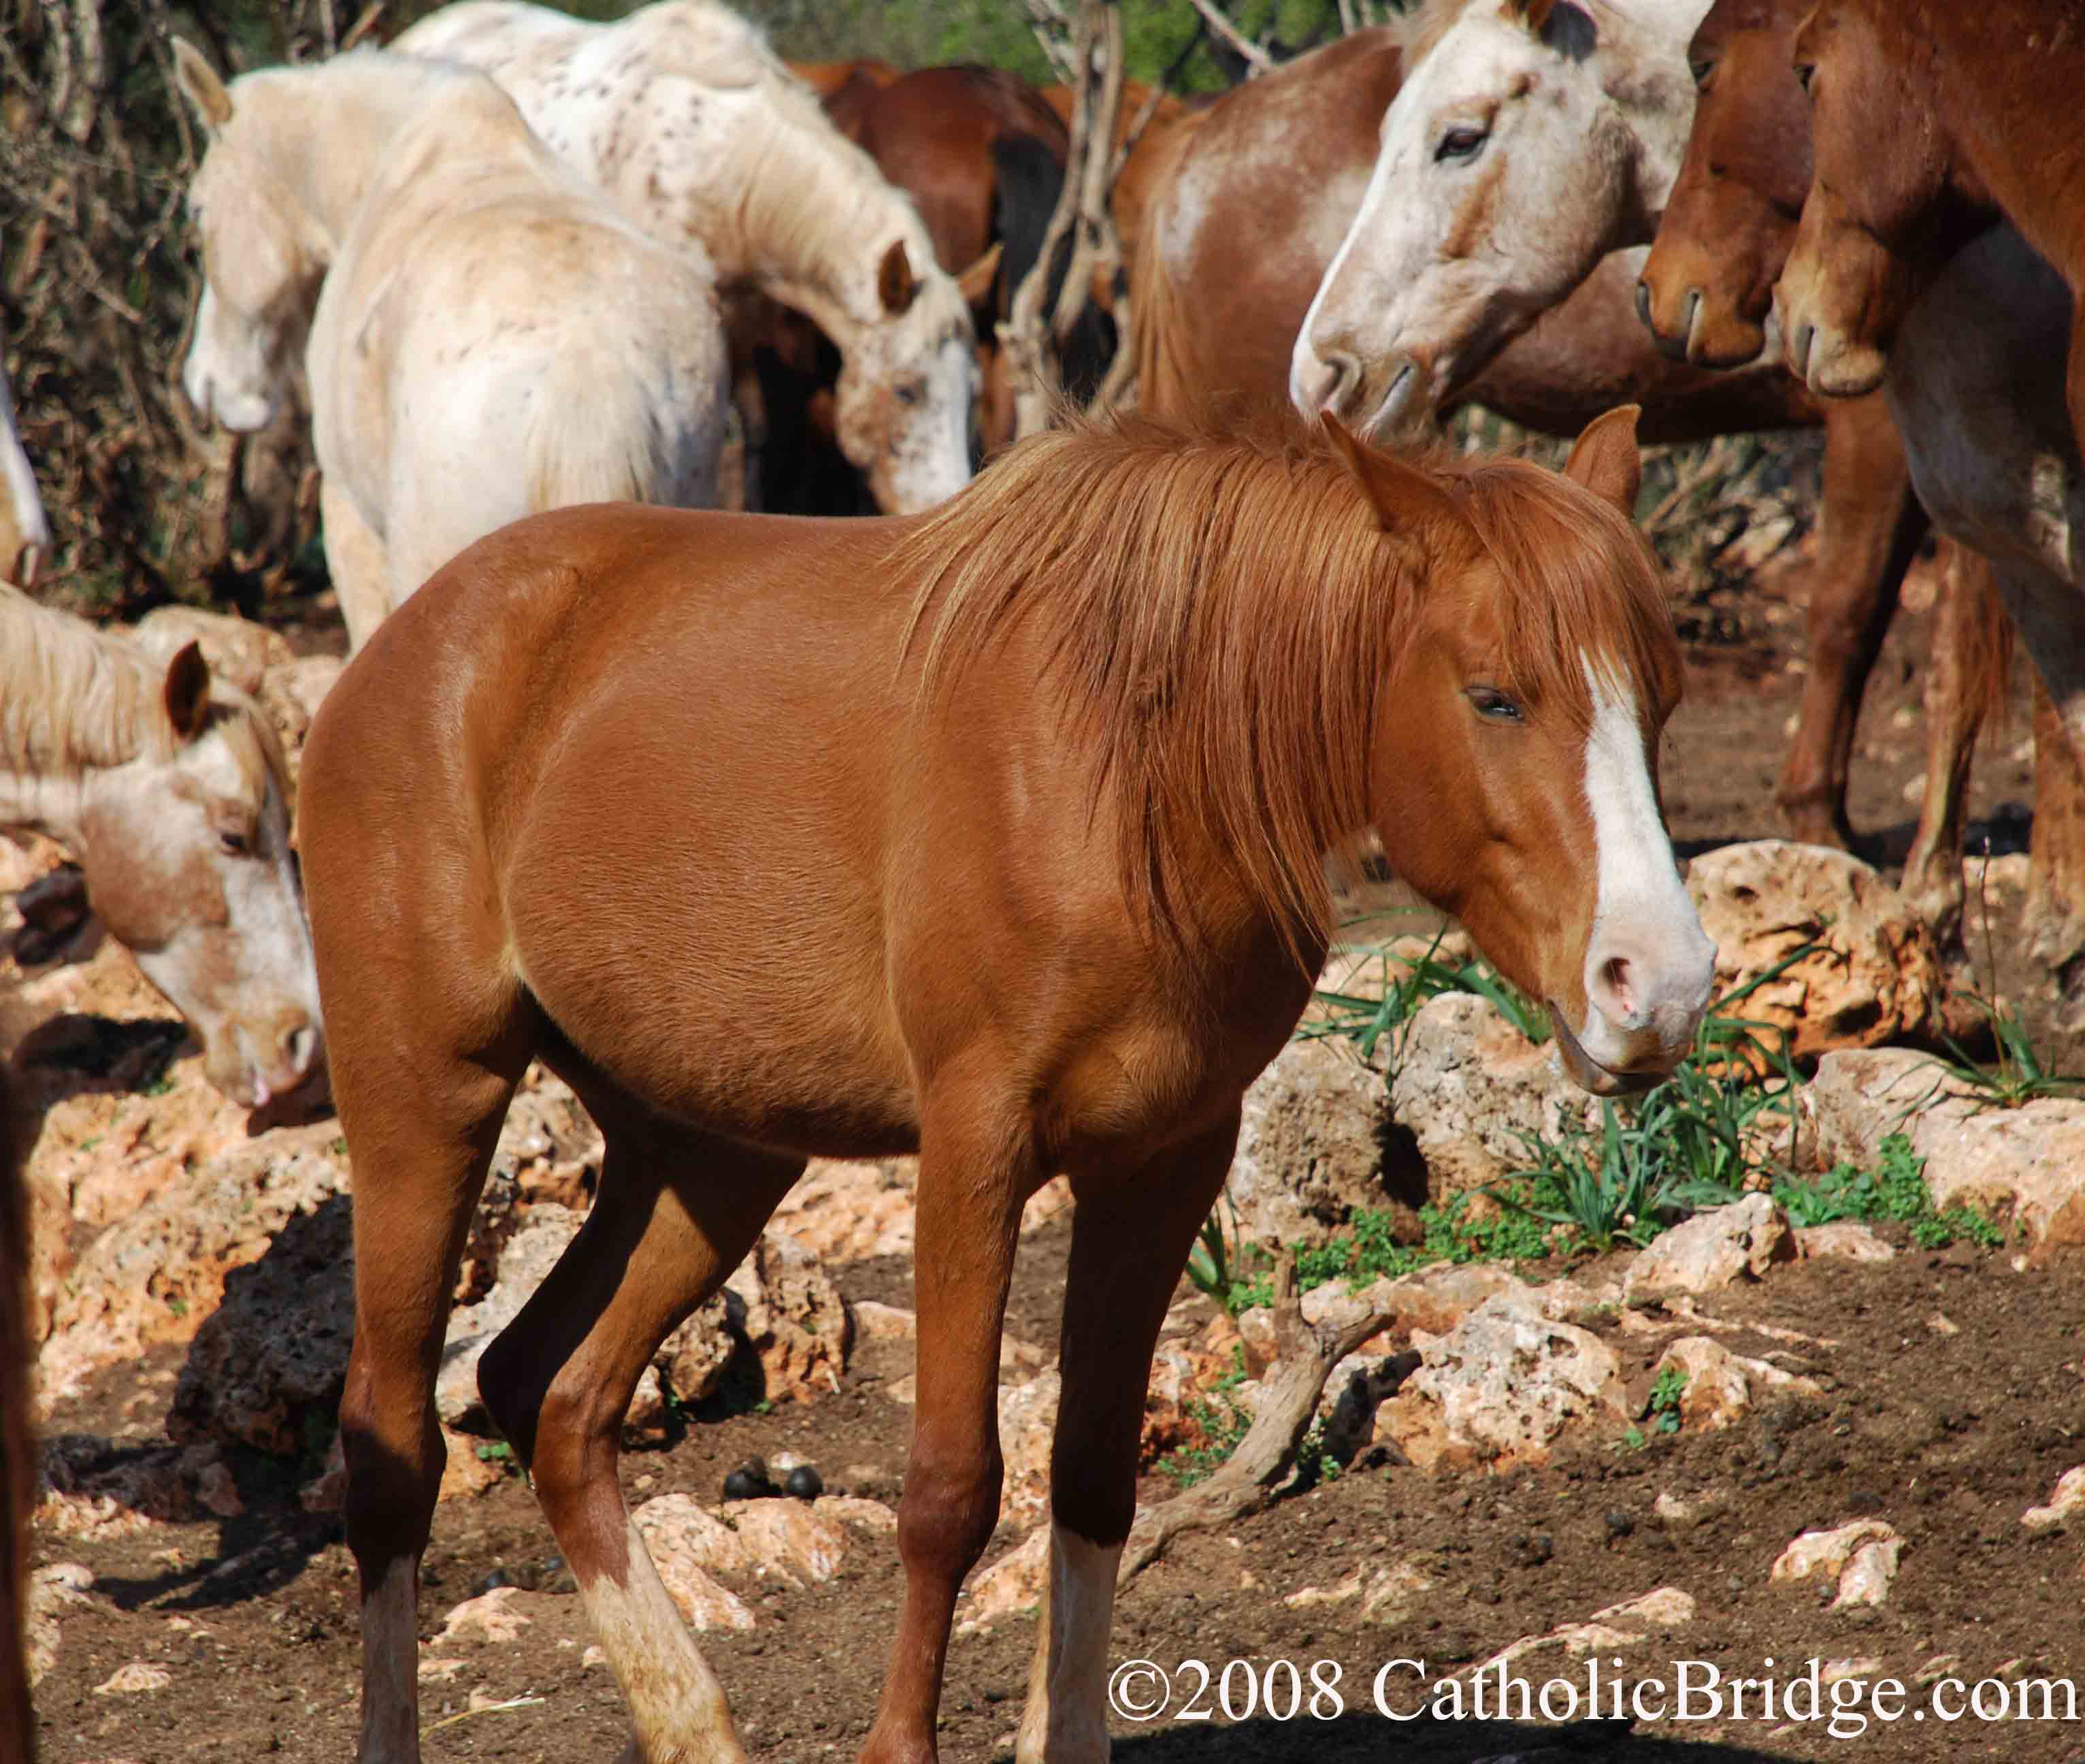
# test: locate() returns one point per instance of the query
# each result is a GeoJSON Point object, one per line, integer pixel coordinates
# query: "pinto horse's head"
{"type": "Point", "coordinates": [908, 385]}
{"type": "Point", "coordinates": [187, 851]}
{"type": "Point", "coordinates": [1525, 142]}
{"type": "Point", "coordinates": [1516, 760]}
{"type": "Point", "coordinates": [1872, 229]}
{"type": "Point", "coordinates": [1707, 287]}
{"type": "Point", "coordinates": [263, 260]}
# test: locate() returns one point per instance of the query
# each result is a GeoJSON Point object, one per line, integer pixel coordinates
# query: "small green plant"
{"type": "Point", "coordinates": [1215, 1265]}
{"type": "Point", "coordinates": [1666, 1390]}
{"type": "Point", "coordinates": [1222, 1422]}
{"type": "Point", "coordinates": [2017, 1076]}
{"type": "Point", "coordinates": [1409, 983]}
{"type": "Point", "coordinates": [1894, 1191]}
{"type": "Point", "coordinates": [496, 1452]}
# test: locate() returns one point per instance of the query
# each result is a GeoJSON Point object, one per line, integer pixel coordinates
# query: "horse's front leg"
{"type": "Point", "coordinates": [974, 1177]}
{"type": "Point", "coordinates": [1131, 1237]}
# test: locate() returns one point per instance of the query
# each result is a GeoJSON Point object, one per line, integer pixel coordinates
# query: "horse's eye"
{"type": "Point", "coordinates": [1804, 72]}
{"type": "Point", "coordinates": [235, 844]}
{"type": "Point", "coordinates": [1703, 72]}
{"type": "Point", "coordinates": [1461, 143]}
{"type": "Point", "coordinates": [911, 392]}
{"type": "Point", "coordinates": [1494, 705]}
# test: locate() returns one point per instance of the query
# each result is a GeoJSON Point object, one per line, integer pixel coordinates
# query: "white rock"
{"type": "Point", "coordinates": [1843, 1239]}
{"type": "Point", "coordinates": [1015, 1583]}
{"type": "Point", "coordinates": [138, 1676]}
{"type": "Point", "coordinates": [1310, 1147]}
{"type": "Point", "coordinates": [1827, 1552]}
{"type": "Point", "coordinates": [1501, 1386]}
{"type": "Point", "coordinates": [682, 1541]}
{"type": "Point", "coordinates": [787, 1541]}
{"type": "Point", "coordinates": [1722, 1386]}
{"type": "Point", "coordinates": [490, 1617]}
{"type": "Point", "coordinates": [1712, 1249]}
{"type": "Point", "coordinates": [1027, 1416]}
{"type": "Point", "coordinates": [1869, 1573]}
{"type": "Point", "coordinates": [2069, 1496]}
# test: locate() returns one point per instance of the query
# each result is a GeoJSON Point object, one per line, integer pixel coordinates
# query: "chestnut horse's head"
{"type": "Point", "coordinates": [263, 261]}
{"type": "Point", "coordinates": [1872, 230]}
{"type": "Point", "coordinates": [1528, 141]}
{"type": "Point", "coordinates": [1516, 757]}
{"type": "Point", "coordinates": [1707, 287]}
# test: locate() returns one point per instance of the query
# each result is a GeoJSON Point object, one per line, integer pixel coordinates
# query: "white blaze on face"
{"type": "Point", "coordinates": [1649, 965]}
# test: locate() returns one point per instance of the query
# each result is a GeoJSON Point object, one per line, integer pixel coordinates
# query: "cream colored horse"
{"type": "Point", "coordinates": [25, 531]}
{"type": "Point", "coordinates": [172, 790]}
{"type": "Point", "coordinates": [682, 113]}
{"type": "Point", "coordinates": [1531, 137]}
{"type": "Point", "coordinates": [484, 337]}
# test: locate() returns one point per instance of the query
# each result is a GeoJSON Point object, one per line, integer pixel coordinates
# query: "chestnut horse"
{"type": "Point", "coordinates": [1926, 125]}
{"type": "Point", "coordinates": [1031, 801]}
{"type": "Point", "coordinates": [1285, 159]}
{"type": "Point", "coordinates": [171, 789]}
{"type": "Point", "coordinates": [25, 531]}
{"type": "Point", "coordinates": [1706, 294]}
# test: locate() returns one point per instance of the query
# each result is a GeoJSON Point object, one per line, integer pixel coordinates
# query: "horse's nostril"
{"type": "Point", "coordinates": [300, 1045]}
{"type": "Point", "coordinates": [1618, 981]}
{"type": "Point", "coordinates": [1643, 304]}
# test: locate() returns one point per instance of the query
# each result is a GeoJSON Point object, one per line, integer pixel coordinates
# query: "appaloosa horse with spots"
{"type": "Point", "coordinates": [1000, 835]}
{"type": "Point", "coordinates": [682, 113]}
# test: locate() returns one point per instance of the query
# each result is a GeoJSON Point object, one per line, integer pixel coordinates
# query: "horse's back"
{"type": "Point", "coordinates": [632, 763]}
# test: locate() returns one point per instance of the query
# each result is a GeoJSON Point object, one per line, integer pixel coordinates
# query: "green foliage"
{"type": "Point", "coordinates": [2019, 1075]}
{"type": "Point", "coordinates": [1214, 1263]}
{"type": "Point", "coordinates": [1666, 1390]}
{"type": "Point", "coordinates": [1223, 1421]}
{"type": "Point", "coordinates": [1406, 985]}
{"type": "Point", "coordinates": [1894, 1191]}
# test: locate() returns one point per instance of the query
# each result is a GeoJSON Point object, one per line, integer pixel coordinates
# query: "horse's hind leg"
{"type": "Point", "coordinates": [1130, 1238]}
{"type": "Point", "coordinates": [674, 1215]}
{"type": "Point", "coordinates": [421, 1128]}
{"type": "Point", "coordinates": [1870, 528]}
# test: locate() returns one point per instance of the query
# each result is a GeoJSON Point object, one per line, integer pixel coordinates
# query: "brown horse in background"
{"type": "Point", "coordinates": [18, 1444]}
{"type": "Point", "coordinates": [1706, 292]}
{"type": "Point", "coordinates": [1283, 159]}
{"type": "Point", "coordinates": [1928, 125]}
{"type": "Point", "coordinates": [999, 835]}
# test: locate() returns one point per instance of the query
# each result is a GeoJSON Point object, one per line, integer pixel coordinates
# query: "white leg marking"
{"type": "Point", "coordinates": [676, 1703]}
{"type": "Point", "coordinates": [1066, 1718]}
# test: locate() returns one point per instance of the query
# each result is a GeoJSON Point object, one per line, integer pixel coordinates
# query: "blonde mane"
{"type": "Point", "coordinates": [1222, 610]}
{"type": "Point", "coordinates": [75, 700]}
{"type": "Point", "coordinates": [1419, 31]}
{"type": "Point", "coordinates": [849, 197]}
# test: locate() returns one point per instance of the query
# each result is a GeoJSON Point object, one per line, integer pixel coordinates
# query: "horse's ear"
{"type": "Point", "coordinates": [976, 281]}
{"type": "Point", "coordinates": [1559, 24]}
{"type": "Point", "coordinates": [1400, 493]}
{"type": "Point", "coordinates": [188, 691]}
{"type": "Point", "coordinates": [896, 285]}
{"type": "Point", "coordinates": [205, 93]}
{"type": "Point", "coordinates": [1605, 460]}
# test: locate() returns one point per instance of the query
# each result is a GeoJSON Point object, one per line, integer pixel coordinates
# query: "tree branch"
{"type": "Point", "coordinates": [1257, 60]}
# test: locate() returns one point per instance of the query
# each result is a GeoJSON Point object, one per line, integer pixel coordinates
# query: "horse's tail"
{"type": "Point", "coordinates": [1030, 179]}
{"type": "Point", "coordinates": [604, 430]}
{"type": "Point", "coordinates": [1156, 321]}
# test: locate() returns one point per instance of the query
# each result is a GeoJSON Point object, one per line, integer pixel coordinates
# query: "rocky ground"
{"type": "Point", "coordinates": [1872, 1465]}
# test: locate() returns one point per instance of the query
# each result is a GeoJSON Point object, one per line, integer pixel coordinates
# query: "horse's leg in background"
{"type": "Point", "coordinates": [421, 1094]}
{"type": "Point", "coordinates": [356, 561]}
{"type": "Point", "coordinates": [1869, 531]}
{"type": "Point", "coordinates": [2055, 864]}
{"type": "Point", "coordinates": [675, 1212]}
{"type": "Point", "coordinates": [17, 1460]}
{"type": "Point", "coordinates": [975, 1171]}
{"type": "Point", "coordinates": [1965, 684]}
{"type": "Point", "coordinates": [1131, 1237]}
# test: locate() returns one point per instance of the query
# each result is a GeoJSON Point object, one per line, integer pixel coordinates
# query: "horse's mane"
{"type": "Point", "coordinates": [1418, 31]}
{"type": "Point", "coordinates": [713, 45]}
{"type": "Point", "coordinates": [1221, 609]}
{"type": "Point", "coordinates": [74, 699]}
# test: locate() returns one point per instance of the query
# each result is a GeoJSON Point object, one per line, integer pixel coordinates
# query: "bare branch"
{"type": "Point", "coordinates": [1289, 1398]}
{"type": "Point", "coordinates": [1257, 60]}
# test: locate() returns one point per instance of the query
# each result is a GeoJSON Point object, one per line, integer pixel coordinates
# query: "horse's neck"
{"type": "Point", "coordinates": [53, 804]}
{"type": "Point", "coordinates": [1648, 78]}
{"type": "Point", "coordinates": [2038, 185]}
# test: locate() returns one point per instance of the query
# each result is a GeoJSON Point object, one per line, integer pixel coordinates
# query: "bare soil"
{"type": "Point", "coordinates": [1954, 1396]}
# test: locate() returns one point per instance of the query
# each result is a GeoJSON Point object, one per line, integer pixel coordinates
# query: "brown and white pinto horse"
{"type": "Point", "coordinates": [998, 834]}
{"type": "Point", "coordinates": [1706, 293]}
{"type": "Point", "coordinates": [1929, 123]}
{"type": "Point", "coordinates": [1284, 160]}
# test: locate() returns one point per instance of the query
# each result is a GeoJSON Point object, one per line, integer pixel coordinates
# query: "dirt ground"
{"type": "Point", "coordinates": [1954, 1396]}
